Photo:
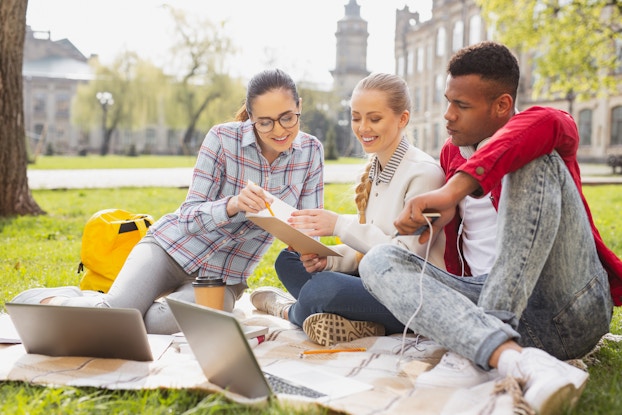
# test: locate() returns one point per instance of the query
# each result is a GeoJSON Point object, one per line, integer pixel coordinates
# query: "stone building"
{"type": "Point", "coordinates": [52, 71]}
{"type": "Point", "coordinates": [422, 50]}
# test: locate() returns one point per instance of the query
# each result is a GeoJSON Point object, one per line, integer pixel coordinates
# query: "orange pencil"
{"type": "Point", "coordinates": [269, 208]}
{"type": "Point", "coordinates": [322, 351]}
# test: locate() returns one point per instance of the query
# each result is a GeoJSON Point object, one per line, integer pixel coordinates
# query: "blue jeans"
{"type": "Point", "coordinates": [546, 289]}
{"type": "Point", "coordinates": [330, 292]}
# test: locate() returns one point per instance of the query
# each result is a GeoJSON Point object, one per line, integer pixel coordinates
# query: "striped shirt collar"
{"type": "Point", "coordinates": [377, 174]}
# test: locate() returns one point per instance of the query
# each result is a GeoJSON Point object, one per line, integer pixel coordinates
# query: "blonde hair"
{"type": "Point", "coordinates": [398, 99]}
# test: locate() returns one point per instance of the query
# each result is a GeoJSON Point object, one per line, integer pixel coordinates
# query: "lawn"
{"type": "Point", "coordinates": [44, 251]}
{"type": "Point", "coordinates": [126, 162]}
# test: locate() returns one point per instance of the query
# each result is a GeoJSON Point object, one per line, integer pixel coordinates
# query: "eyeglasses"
{"type": "Point", "coordinates": [266, 124]}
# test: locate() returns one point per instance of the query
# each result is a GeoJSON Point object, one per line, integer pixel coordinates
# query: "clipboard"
{"type": "Point", "coordinates": [277, 226]}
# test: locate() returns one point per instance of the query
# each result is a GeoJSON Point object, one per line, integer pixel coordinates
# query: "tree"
{"type": "Point", "coordinates": [330, 144]}
{"type": "Point", "coordinates": [573, 43]}
{"type": "Point", "coordinates": [137, 88]}
{"type": "Point", "coordinates": [200, 52]}
{"type": "Point", "coordinates": [15, 195]}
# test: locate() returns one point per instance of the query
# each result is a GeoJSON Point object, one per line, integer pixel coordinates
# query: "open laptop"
{"type": "Point", "coordinates": [55, 330]}
{"type": "Point", "coordinates": [227, 360]}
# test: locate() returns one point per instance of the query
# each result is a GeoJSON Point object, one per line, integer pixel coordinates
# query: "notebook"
{"type": "Point", "coordinates": [55, 330]}
{"type": "Point", "coordinates": [227, 360]}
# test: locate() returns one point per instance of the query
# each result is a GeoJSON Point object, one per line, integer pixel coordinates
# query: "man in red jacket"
{"type": "Point", "coordinates": [516, 220]}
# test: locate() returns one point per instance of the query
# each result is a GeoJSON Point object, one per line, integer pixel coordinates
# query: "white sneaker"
{"type": "Point", "coordinates": [551, 385]}
{"type": "Point", "coordinates": [454, 371]}
{"type": "Point", "coordinates": [272, 300]}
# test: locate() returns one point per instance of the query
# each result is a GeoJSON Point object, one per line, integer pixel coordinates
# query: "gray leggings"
{"type": "Point", "coordinates": [150, 273]}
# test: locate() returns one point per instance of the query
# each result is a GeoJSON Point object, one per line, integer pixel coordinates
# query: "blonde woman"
{"type": "Point", "coordinates": [326, 297]}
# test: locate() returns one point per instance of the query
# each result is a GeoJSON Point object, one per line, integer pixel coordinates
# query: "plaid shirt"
{"type": "Point", "coordinates": [200, 235]}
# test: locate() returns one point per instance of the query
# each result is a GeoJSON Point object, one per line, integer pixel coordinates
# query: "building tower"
{"type": "Point", "coordinates": [351, 60]}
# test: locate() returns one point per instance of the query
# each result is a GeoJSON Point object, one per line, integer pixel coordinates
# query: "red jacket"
{"type": "Point", "coordinates": [528, 135]}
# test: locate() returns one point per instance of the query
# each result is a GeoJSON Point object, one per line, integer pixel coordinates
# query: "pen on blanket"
{"type": "Point", "coordinates": [327, 351]}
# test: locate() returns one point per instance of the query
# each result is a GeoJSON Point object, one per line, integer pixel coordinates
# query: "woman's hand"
{"type": "Point", "coordinates": [314, 222]}
{"type": "Point", "coordinates": [252, 198]}
{"type": "Point", "coordinates": [313, 262]}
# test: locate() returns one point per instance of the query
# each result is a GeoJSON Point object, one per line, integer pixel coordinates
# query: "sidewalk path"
{"type": "Point", "coordinates": [168, 177]}
{"type": "Point", "coordinates": [180, 177]}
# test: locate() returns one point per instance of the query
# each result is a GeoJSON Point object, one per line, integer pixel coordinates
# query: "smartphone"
{"type": "Point", "coordinates": [432, 216]}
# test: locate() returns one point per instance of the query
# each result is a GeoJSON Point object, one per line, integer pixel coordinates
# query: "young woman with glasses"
{"type": "Point", "coordinates": [325, 295]}
{"type": "Point", "coordinates": [209, 235]}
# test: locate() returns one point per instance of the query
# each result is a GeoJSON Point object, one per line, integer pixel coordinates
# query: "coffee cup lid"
{"type": "Point", "coordinates": [208, 282]}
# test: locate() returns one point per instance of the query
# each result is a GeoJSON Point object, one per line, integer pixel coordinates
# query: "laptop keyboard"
{"type": "Point", "coordinates": [280, 385]}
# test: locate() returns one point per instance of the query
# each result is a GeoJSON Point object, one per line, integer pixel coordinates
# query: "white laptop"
{"type": "Point", "coordinates": [227, 360]}
{"type": "Point", "coordinates": [54, 330]}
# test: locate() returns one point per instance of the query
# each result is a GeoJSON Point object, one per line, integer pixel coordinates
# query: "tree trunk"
{"type": "Point", "coordinates": [193, 122]}
{"type": "Point", "coordinates": [15, 195]}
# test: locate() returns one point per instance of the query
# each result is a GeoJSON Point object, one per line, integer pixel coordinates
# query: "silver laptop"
{"type": "Point", "coordinates": [55, 330]}
{"type": "Point", "coordinates": [227, 360]}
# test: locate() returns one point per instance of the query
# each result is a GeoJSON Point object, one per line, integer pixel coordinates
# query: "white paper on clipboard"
{"type": "Point", "coordinates": [277, 225]}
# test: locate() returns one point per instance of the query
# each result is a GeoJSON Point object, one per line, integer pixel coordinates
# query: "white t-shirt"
{"type": "Point", "coordinates": [479, 231]}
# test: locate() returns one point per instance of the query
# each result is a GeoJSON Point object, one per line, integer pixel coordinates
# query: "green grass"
{"type": "Point", "coordinates": [45, 251]}
{"type": "Point", "coordinates": [125, 162]}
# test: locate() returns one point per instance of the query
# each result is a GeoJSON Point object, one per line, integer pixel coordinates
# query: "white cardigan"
{"type": "Point", "coordinates": [417, 173]}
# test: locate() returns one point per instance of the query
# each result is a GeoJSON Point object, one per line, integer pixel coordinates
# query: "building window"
{"type": "Point", "coordinates": [585, 127]}
{"type": "Point", "coordinates": [420, 59]}
{"type": "Point", "coordinates": [39, 104]}
{"type": "Point", "coordinates": [475, 29]}
{"type": "Point", "coordinates": [411, 63]}
{"type": "Point", "coordinates": [400, 65]}
{"type": "Point", "coordinates": [618, 47]}
{"type": "Point", "coordinates": [430, 57]}
{"type": "Point", "coordinates": [417, 99]}
{"type": "Point", "coordinates": [439, 89]}
{"type": "Point", "coordinates": [62, 105]}
{"type": "Point", "coordinates": [436, 135]}
{"type": "Point", "coordinates": [616, 126]}
{"type": "Point", "coordinates": [457, 40]}
{"type": "Point", "coordinates": [441, 40]}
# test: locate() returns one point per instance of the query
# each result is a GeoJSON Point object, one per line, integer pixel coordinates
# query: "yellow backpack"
{"type": "Point", "coordinates": [109, 236]}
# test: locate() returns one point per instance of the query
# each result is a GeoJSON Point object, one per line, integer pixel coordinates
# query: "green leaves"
{"type": "Point", "coordinates": [571, 43]}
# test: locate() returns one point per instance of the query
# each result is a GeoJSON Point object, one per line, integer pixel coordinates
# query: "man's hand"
{"type": "Point", "coordinates": [443, 200]}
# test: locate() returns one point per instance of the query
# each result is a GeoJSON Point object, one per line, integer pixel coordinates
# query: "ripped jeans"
{"type": "Point", "coordinates": [546, 289]}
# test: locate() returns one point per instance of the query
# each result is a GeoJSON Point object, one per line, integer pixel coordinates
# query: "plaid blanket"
{"type": "Point", "coordinates": [390, 364]}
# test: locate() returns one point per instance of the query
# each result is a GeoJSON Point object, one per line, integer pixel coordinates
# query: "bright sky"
{"type": "Point", "coordinates": [299, 35]}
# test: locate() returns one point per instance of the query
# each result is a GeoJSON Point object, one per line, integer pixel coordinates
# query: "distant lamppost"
{"type": "Point", "coordinates": [105, 100]}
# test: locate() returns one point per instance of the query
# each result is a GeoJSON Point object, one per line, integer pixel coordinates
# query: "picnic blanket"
{"type": "Point", "coordinates": [391, 372]}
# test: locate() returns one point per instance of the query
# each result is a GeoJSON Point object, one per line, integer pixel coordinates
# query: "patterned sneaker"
{"type": "Point", "coordinates": [454, 371]}
{"type": "Point", "coordinates": [272, 300]}
{"type": "Point", "coordinates": [328, 329]}
{"type": "Point", "coordinates": [551, 385]}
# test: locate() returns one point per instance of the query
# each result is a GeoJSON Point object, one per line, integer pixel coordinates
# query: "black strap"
{"type": "Point", "coordinates": [130, 226]}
